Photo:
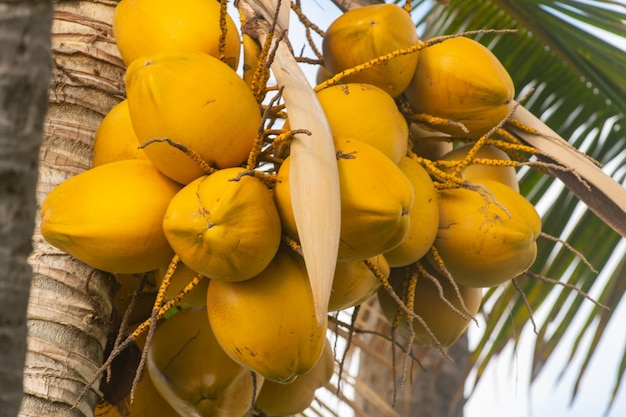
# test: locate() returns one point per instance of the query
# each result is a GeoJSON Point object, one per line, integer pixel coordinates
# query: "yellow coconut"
{"type": "Point", "coordinates": [354, 282]}
{"type": "Point", "coordinates": [224, 225]}
{"type": "Point", "coordinates": [115, 138]}
{"type": "Point", "coordinates": [146, 402]}
{"type": "Point", "coordinates": [322, 74]}
{"type": "Point", "coordinates": [196, 101]}
{"type": "Point", "coordinates": [478, 172]}
{"type": "Point", "coordinates": [486, 236]}
{"type": "Point", "coordinates": [110, 216]}
{"type": "Point", "coordinates": [429, 143]}
{"type": "Point", "coordinates": [365, 33]}
{"type": "Point", "coordinates": [251, 57]}
{"type": "Point", "coordinates": [146, 27]}
{"type": "Point", "coordinates": [424, 217]}
{"type": "Point", "coordinates": [192, 372]}
{"type": "Point", "coordinates": [276, 399]}
{"type": "Point", "coordinates": [376, 198]}
{"type": "Point", "coordinates": [461, 80]}
{"type": "Point", "coordinates": [446, 324]}
{"type": "Point", "coordinates": [143, 304]}
{"type": "Point", "coordinates": [366, 113]}
{"type": "Point", "coordinates": [268, 323]}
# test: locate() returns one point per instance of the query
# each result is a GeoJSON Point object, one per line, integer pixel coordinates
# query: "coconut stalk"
{"type": "Point", "coordinates": [603, 195]}
{"type": "Point", "coordinates": [313, 177]}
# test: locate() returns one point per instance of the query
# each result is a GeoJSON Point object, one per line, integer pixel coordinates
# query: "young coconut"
{"type": "Point", "coordinates": [478, 172]}
{"type": "Point", "coordinates": [428, 143]}
{"type": "Point", "coordinates": [424, 217]}
{"type": "Point", "coordinates": [445, 324]}
{"type": "Point", "coordinates": [224, 225]}
{"type": "Point", "coordinates": [376, 198]}
{"type": "Point", "coordinates": [366, 113]}
{"type": "Point", "coordinates": [322, 74]}
{"type": "Point", "coordinates": [461, 80]}
{"type": "Point", "coordinates": [142, 307]}
{"type": "Point", "coordinates": [268, 323]}
{"type": "Point", "coordinates": [196, 101]}
{"type": "Point", "coordinates": [115, 138]}
{"type": "Point", "coordinates": [191, 371]}
{"type": "Point", "coordinates": [146, 27]}
{"type": "Point", "coordinates": [251, 58]}
{"type": "Point", "coordinates": [486, 236]}
{"type": "Point", "coordinates": [110, 217]}
{"type": "Point", "coordinates": [146, 402]}
{"type": "Point", "coordinates": [366, 33]}
{"type": "Point", "coordinates": [354, 282]}
{"type": "Point", "coordinates": [276, 399]}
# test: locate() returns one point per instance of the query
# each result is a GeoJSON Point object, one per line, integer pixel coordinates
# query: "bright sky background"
{"type": "Point", "coordinates": [504, 389]}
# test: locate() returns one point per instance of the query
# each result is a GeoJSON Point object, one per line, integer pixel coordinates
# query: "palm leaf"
{"type": "Point", "coordinates": [579, 83]}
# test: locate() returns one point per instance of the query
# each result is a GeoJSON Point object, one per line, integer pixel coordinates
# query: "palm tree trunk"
{"type": "Point", "coordinates": [24, 76]}
{"type": "Point", "coordinates": [431, 385]}
{"type": "Point", "coordinates": [70, 308]}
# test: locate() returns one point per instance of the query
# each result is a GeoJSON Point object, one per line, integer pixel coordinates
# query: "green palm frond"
{"type": "Point", "coordinates": [578, 83]}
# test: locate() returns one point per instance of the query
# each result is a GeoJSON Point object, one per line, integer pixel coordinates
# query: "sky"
{"type": "Point", "coordinates": [504, 389]}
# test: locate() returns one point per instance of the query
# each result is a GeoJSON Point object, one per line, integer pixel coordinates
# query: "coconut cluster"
{"type": "Point", "coordinates": [173, 196]}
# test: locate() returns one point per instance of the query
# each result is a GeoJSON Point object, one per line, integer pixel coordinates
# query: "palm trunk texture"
{"type": "Point", "coordinates": [70, 308]}
{"type": "Point", "coordinates": [428, 385]}
{"type": "Point", "coordinates": [24, 75]}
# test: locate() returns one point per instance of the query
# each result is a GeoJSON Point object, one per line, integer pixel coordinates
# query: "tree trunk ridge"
{"type": "Point", "coordinates": [24, 76]}
{"type": "Point", "coordinates": [70, 307]}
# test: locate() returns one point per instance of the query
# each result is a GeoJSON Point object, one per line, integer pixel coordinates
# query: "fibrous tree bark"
{"type": "Point", "coordinates": [394, 385]}
{"type": "Point", "coordinates": [24, 75]}
{"type": "Point", "coordinates": [70, 311]}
